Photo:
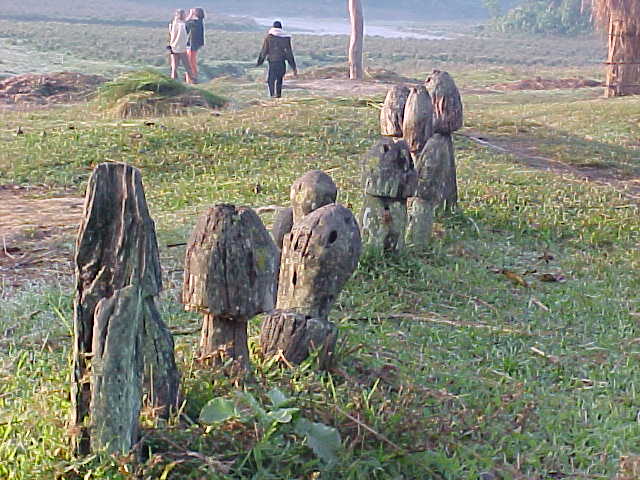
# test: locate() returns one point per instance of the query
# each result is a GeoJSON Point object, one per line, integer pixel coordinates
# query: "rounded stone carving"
{"type": "Point", "coordinates": [311, 191]}
{"type": "Point", "coordinates": [447, 104]}
{"type": "Point", "coordinates": [318, 257]}
{"type": "Point", "coordinates": [388, 170]}
{"type": "Point", "coordinates": [392, 113]}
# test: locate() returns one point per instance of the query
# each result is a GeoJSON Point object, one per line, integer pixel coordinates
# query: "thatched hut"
{"type": "Point", "coordinates": [621, 20]}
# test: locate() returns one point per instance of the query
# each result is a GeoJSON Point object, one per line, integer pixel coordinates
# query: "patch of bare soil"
{"type": "Point", "coordinates": [339, 87]}
{"type": "Point", "coordinates": [36, 235]}
{"type": "Point", "coordinates": [342, 72]}
{"type": "Point", "coordinates": [629, 468]}
{"type": "Point", "coordinates": [539, 83]}
{"type": "Point", "coordinates": [334, 80]}
{"type": "Point", "coordinates": [529, 155]}
{"type": "Point", "coordinates": [29, 91]}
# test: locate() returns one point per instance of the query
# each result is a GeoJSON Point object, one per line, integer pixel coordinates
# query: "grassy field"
{"type": "Point", "coordinates": [597, 133]}
{"type": "Point", "coordinates": [508, 349]}
{"type": "Point", "coordinates": [234, 53]}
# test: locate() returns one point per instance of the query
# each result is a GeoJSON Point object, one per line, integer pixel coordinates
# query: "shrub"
{"type": "Point", "coordinates": [566, 17]}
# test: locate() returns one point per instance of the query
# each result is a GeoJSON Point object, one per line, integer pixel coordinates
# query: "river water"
{"type": "Point", "coordinates": [337, 26]}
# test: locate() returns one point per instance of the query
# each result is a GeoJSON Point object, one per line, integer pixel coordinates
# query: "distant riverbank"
{"type": "Point", "coordinates": [338, 26]}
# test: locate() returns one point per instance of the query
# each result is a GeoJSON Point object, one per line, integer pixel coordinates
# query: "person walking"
{"type": "Point", "coordinates": [178, 45]}
{"type": "Point", "coordinates": [195, 30]}
{"type": "Point", "coordinates": [276, 49]}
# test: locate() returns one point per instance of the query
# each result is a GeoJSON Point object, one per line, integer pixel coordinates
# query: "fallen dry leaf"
{"type": "Point", "coordinates": [552, 358]}
{"type": "Point", "coordinates": [515, 278]}
{"type": "Point", "coordinates": [537, 302]}
{"type": "Point", "coordinates": [551, 277]}
{"type": "Point", "coordinates": [629, 468]}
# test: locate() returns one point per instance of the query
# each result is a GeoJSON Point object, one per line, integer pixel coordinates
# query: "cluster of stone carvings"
{"type": "Point", "coordinates": [411, 172]}
{"type": "Point", "coordinates": [123, 351]}
{"type": "Point", "coordinates": [234, 269]}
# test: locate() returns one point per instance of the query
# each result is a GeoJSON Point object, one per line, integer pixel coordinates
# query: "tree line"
{"type": "Point", "coordinates": [560, 17]}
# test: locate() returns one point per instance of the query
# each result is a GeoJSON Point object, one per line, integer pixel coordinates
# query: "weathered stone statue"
{"type": "Point", "coordinates": [447, 103]}
{"type": "Point", "coordinates": [282, 225]}
{"type": "Point", "coordinates": [230, 269]}
{"type": "Point", "coordinates": [121, 345]}
{"type": "Point", "coordinates": [447, 118]}
{"type": "Point", "coordinates": [311, 191]}
{"type": "Point", "coordinates": [388, 179]}
{"type": "Point", "coordinates": [392, 113]}
{"type": "Point", "coordinates": [434, 173]}
{"type": "Point", "coordinates": [318, 257]}
{"type": "Point", "coordinates": [417, 126]}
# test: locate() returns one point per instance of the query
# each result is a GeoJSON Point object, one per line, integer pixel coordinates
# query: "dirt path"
{"type": "Point", "coordinates": [528, 155]}
{"type": "Point", "coordinates": [36, 235]}
{"type": "Point", "coordinates": [339, 87]}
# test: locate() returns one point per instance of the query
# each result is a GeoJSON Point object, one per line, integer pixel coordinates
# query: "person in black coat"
{"type": "Point", "coordinates": [276, 49]}
{"type": "Point", "coordinates": [195, 30]}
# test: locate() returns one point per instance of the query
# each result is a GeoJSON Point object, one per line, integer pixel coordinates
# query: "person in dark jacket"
{"type": "Point", "coordinates": [195, 30]}
{"type": "Point", "coordinates": [276, 49]}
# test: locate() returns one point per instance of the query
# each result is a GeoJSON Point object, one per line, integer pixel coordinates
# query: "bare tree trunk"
{"type": "Point", "coordinates": [623, 62]}
{"type": "Point", "coordinates": [356, 68]}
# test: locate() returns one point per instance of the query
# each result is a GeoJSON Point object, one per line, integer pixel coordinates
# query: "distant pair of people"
{"type": "Point", "coordinates": [186, 37]}
{"type": "Point", "coordinates": [276, 49]}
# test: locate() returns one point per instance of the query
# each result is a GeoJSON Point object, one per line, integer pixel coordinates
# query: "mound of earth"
{"type": "Point", "coordinates": [47, 89]}
{"type": "Point", "coordinates": [539, 83]}
{"type": "Point", "coordinates": [149, 93]}
{"type": "Point", "coordinates": [144, 104]}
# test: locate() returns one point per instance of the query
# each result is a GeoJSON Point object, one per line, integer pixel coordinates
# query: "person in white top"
{"type": "Point", "coordinates": [178, 39]}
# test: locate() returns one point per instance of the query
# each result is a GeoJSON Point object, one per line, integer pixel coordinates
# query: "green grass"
{"type": "Point", "coordinates": [575, 127]}
{"type": "Point", "coordinates": [453, 400]}
{"type": "Point", "coordinates": [439, 351]}
{"type": "Point", "coordinates": [235, 53]}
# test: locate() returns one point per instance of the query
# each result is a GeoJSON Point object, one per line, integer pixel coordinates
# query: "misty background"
{"type": "Point", "coordinates": [159, 10]}
{"type": "Point", "coordinates": [112, 36]}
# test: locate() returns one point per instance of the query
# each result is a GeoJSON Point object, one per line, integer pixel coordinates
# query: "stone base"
{"type": "Point", "coordinates": [296, 335]}
{"type": "Point", "coordinates": [419, 222]}
{"type": "Point", "coordinates": [383, 222]}
{"type": "Point", "coordinates": [224, 338]}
